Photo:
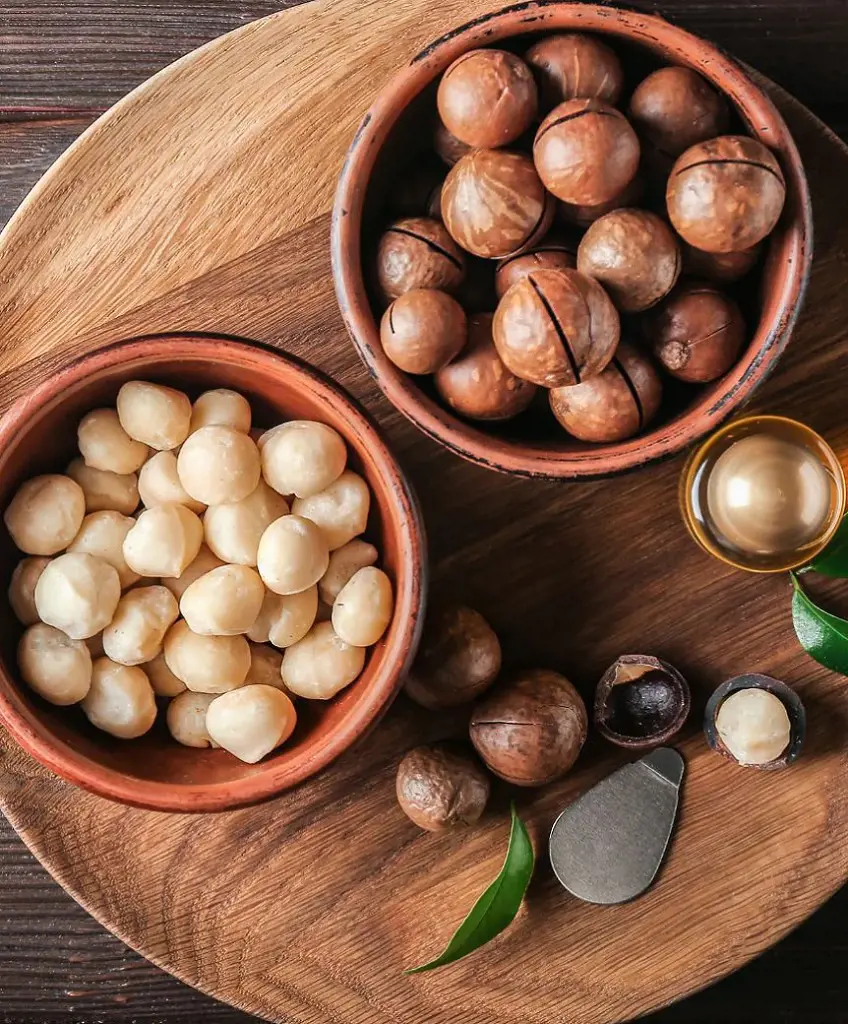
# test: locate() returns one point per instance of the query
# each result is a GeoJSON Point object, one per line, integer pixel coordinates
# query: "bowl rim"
{"type": "Point", "coordinates": [716, 403]}
{"type": "Point", "coordinates": [23, 722]}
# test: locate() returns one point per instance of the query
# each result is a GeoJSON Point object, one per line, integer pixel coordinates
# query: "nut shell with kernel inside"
{"type": "Point", "coordinates": [556, 328]}
{"type": "Point", "coordinates": [726, 194]}
{"type": "Point", "coordinates": [493, 203]}
{"type": "Point", "coordinates": [487, 98]}
{"type": "Point", "coordinates": [675, 108]}
{"type": "Point", "coordinates": [441, 786]}
{"type": "Point", "coordinates": [618, 403]}
{"type": "Point", "coordinates": [548, 255]}
{"type": "Point", "coordinates": [530, 731]}
{"type": "Point", "coordinates": [417, 252]}
{"type": "Point", "coordinates": [586, 152]}
{"type": "Point", "coordinates": [477, 384]}
{"type": "Point", "coordinates": [423, 330]}
{"type": "Point", "coordinates": [569, 65]}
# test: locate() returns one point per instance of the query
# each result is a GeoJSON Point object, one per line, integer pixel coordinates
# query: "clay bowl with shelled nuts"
{"type": "Point", "coordinates": [393, 136]}
{"type": "Point", "coordinates": [38, 435]}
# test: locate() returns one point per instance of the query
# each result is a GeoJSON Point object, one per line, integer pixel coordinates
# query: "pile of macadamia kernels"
{"type": "Point", "coordinates": [582, 241]}
{"type": "Point", "coordinates": [240, 584]}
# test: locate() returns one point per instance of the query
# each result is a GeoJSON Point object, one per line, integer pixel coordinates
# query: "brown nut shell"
{"type": "Point", "coordinates": [641, 702]}
{"type": "Point", "coordinates": [791, 702]}
{"type": "Point", "coordinates": [549, 255]}
{"type": "Point", "coordinates": [569, 65]}
{"type": "Point", "coordinates": [721, 267]}
{"type": "Point", "coordinates": [448, 147]}
{"type": "Point", "coordinates": [675, 108]}
{"type": "Point", "coordinates": [493, 203]}
{"type": "Point", "coordinates": [726, 194]}
{"type": "Point", "coordinates": [417, 252]}
{"type": "Point", "coordinates": [586, 152]}
{"type": "Point", "coordinates": [615, 405]}
{"type": "Point", "coordinates": [583, 216]}
{"type": "Point", "coordinates": [634, 255]}
{"type": "Point", "coordinates": [423, 330]}
{"type": "Point", "coordinates": [458, 660]}
{"type": "Point", "coordinates": [441, 786]}
{"type": "Point", "coordinates": [556, 328]}
{"type": "Point", "coordinates": [487, 98]}
{"type": "Point", "coordinates": [530, 731]}
{"type": "Point", "coordinates": [697, 333]}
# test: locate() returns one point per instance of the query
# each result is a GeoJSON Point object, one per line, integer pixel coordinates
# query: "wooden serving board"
{"type": "Point", "coordinates": [202, 202]}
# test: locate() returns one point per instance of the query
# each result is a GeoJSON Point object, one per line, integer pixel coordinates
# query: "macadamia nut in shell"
{"type": "Point", "coordinates": [569, 65]}
{"type": "Point", "coordinates": [45, 514]}
{"type": "Point", "coordinates": [55, 666]}
{"type": "Point", "coordinates": [156, 415]}
{"type": "Point", "coordinates": [78, 594]}
{"type": "Point", "coordinates": [251, 722]}
{"type": "Point", "coordinates": [417, 252]}
{"type": "Point", "coordinates": [438, 787]}
{"type": "Point", "coordinates": [120, 700]}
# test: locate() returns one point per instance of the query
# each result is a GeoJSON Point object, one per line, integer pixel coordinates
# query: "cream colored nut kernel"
{"type": "Point", "coordinates": [302, 457]}
{"type": "Point", "coordinates": [754, 726]}
{"type": "Point", "coordinates": [206, 664]}
{"type": "Point", "coordinates": [363, 609]}
{"type": "Point", "coordinates": [260, 436]}
{"type": "Point", "coordinates": [204, 563]}
{"type": "Point", "coordinates": [22, 589]}
{"type": "Point", "coordinates": [141, 620]}
{"type": "Point", "coordinates": [55, 666]}
{"type": "Point", "coordinates": [223, 602]}
{"type": "Point", "coordinates": [186, 718]}
{"type": "Point", "coordinates": [221, 408]}
{"type": "Point", "coordinates": [104, 444]}
{"type": "Point", "coordinates": [321, 664]}
{"type": "Point", "coordinates": [344, 562]}
{"type": "Point", "coordinates": [292, 555]}
{"type": "Point", "coordinates": [285, 619]}
{"type": "Point", "coordinates": [78, 593]}
{"type": "Point", "coordinates": [162, 679]}
{"type": "Point", "coordinates": [265, 667]}
{"type": "Point", "coordinates": [95, 645]}
{"type": "Point", "coordinates": [218, 464]}
{"type": "Point", "coordinates": [105, 491]}
{"type": "Point", "coordinates": [45, 514]}
{"type": "Point", "coordinates": [233, 530]}
{"type": "Point", "coordinates": [164, 541]}
{"type": "Point", "coordinates": [120, 700]}
{"type": "Point", "coordinates": [103, 534]}
{"type": "Point", "coordinates": [159, 484]}
{"type": "Point", "coordinates": [341, 510]}
{"type": "Point", "coordinates": [251, 722]}
{"type": "Point", "coordinates": [153, 414]}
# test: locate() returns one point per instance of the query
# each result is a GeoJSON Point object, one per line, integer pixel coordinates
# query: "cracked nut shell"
{"type": "Point", "coordinates": [441, 786]}
{"type": "Point", "coordinates": [641, 702]}
{"type": "Point", "coordinates": [549, 255]}
{"type": "Point", "coordinates": [569, 65]}
{"type": "Point", "coordinates": [583, 216]}
{"type": "Point", "coordinates": [788, 697]}
{"type": "Point", "coordinates": [417, 252]}
{"type": "Point", "coordinates": [423, 330]}
{"type": "Point", "coordinates": [675, 108]}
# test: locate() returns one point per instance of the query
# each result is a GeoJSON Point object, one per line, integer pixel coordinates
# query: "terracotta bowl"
{"type": "Point", "coordinates": [394, 136]}
{"type": "Point", "coordinates": [38, 435]}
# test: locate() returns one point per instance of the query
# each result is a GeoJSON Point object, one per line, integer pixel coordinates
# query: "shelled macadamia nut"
{"type": "Point", "coordinates": [138, 628]}
{"type": "Point", "coordinates": [221, 407]}
{"type": "Point", "coordinates": [203, 563]}
{"type": "Point", "coordinates": [302, 457]}
{"type": "Point", "coordinates": [45, 514]}
{"type": "Point", "coordinates": [341, 510]}
{"type": "Point", "coordinates": [224, 602]}
{"type": "Point", "coordinates": [233, 530]}
{"type": "Point", "coordinates": [105, 491]}
{"type": "Point", "coordinates": [265, 667]}
{"type": "Point", "coordinates": [417, 252]}
{"type": "Point", "coordinates": [251, 722]}
{"type": "Point", "coordinates": [344, 563]}
{"type": "Point", "coordinates": [162, 679]}
{"type": "Point", "coordinates": [206, 664]}
{"type": "Point", "coordinates": [674, 108]}
{"type": "Point", "coordinates": [120, 700]}
{"type": "Point", "coordinates": [321, 664]}
{"type": "Point", "coordinates": [293, 555]}
{"type": "Point", "coordinates": [104, 444]}
{"type": "Point", "coordinates": [218, 464]}
{"type": "Point", "coordinates": [285, 618]}
{"type": "Point", "coordinates": [159, 484]}
{"type": "Point", "coordinates": [423, 330]}
{"type": "Point", "coordinates": [156, 415]}
{"type": "Point", "coordinates": [103, 534]}
{"type": "Point", "coordinates": [186, 718]}
{"type": "Point", "coordinates": [22, 589]}
{"type": "Point", "coordinates": [568, 65]}
{"type": "Point", "coordinates": [164, 541]}
{"type": "Point", "coordinates": [363, 610]}
{"type": "Point", "coordinates": [55, 666]}
{"type": "Point", "coordinates": [78, 594]}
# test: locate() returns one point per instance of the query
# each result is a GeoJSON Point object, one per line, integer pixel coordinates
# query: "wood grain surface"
{"type": "Point", "coordinates": [278, 929]}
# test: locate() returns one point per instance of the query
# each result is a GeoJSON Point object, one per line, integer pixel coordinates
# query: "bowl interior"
{"type": "Point", "coordinates": [154, 767]}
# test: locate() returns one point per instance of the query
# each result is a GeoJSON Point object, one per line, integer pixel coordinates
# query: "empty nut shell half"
{"type": "Point", "coordinates": [641, 702]}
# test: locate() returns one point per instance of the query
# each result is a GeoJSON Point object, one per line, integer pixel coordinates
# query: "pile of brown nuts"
{"type": "Point", "coordinates": [569, 218]}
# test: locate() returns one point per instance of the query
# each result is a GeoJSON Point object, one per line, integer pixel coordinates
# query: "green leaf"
{"type": "Point", "coordinates": [833, 561]}
{"type": "Point", "coordinates": [823, 636]}
{"type": "Point", "coordinates": [498, 905]}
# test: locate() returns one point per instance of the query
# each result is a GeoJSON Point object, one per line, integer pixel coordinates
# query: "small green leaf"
{"type": "Point", "coordinates": [498, 905]}
{"type": "Point", "coordinates": [833, 561]}
{"type": "Point", "coordinates": [823, 636]}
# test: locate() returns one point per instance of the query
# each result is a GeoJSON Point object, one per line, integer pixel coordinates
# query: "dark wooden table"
{"type": "Point", "coordinates": [61, 64]}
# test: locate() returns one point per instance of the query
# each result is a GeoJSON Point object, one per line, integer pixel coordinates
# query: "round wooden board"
{"type": "Point", "coordinates": [202, 202]}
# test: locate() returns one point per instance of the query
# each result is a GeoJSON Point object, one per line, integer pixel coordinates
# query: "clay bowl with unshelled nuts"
{"type": "Point", "coordinates": [213, 569]}
{"type": "Point", "coordinates": [570, 251]}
